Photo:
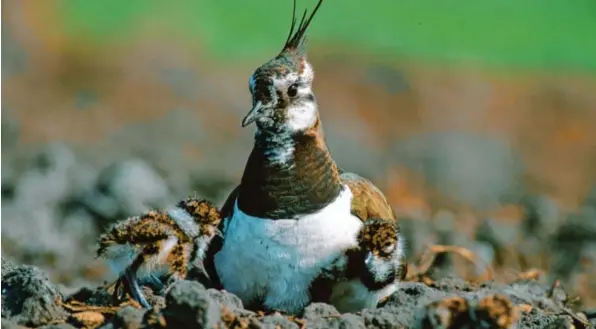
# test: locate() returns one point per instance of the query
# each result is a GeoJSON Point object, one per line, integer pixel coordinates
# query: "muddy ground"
{"type": "Point", "coordinates": [498, 162]}
{"type": "Point", "coordinates": [54, 207]}
{"type": "Point", "coordinates": [29, 299]}
{"type": "Point", "coordinates": [517, 192]}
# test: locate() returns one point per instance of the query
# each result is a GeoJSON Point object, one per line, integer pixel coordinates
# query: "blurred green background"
{"type": "Point", "coordinates": [549, 34]}
{"type": "Point", "coordinates": [476, 118]}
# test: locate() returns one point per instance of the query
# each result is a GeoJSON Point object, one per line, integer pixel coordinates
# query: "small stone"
{"type": "Point", "coordinates": [318, 310]}
{"type": "Point", "coordinates": [277, 321]}
{"type": "Point", "coordinates": [188, 304]}
{"type": "Point", "coordinates": [225, 298]}
{"type": "Point", "coordinates": [128, 318]}
{"type": "Point", "coordinates": [349, 321]}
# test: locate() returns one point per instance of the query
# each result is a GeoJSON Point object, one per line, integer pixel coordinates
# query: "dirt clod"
{"type": "Point", "coordinates": [188, 304]}
{"type": "Point", "coordinates": [87, 319]}
{"type": "Point", "coordinates": [28, 297]}
{"type": "Point", "coordinates": [127, 318]}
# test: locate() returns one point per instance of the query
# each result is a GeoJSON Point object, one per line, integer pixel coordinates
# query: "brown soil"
{"type": "Point", "coordinates": [501, 163]}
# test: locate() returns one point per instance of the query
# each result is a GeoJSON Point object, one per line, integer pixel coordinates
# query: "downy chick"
{"type": "Point", "coordinates": [159, 243]}
{"type": "Point", "coordinates": [365, 275]}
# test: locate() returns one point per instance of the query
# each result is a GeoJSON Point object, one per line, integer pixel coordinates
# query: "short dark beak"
{"type": "Point", "coordinates": [252, 115]}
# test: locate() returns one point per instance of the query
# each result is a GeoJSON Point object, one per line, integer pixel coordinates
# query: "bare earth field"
{"type": "Point", "coordinates": [467, 159]}
{"type": "Point", "coordinates": [499, 164]}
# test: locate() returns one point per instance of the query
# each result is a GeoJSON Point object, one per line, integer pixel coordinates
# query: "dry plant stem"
{"type": "Point", "coordinates": [77, 306]}
{"type": "Point", "coordinates": [531, 274]}
{"type": "Point", "coordinates": [583, 322]}
{"type": "Point", "coordinates": [576, 319]}
{"type": "Point", "coordinates": [432, 251]}
{"type": "Point", "coordinates": [554, 286]}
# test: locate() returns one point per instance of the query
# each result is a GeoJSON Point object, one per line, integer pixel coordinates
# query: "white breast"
{"type": "Point", "coordinates": [276, 260]}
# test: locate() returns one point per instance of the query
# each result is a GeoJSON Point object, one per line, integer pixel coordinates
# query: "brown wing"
{"type": "Point", "coordinates": [368, 201]}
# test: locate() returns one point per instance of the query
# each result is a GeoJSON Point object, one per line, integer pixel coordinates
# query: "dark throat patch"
{"type": "Point", "coordinates": [307, 182]}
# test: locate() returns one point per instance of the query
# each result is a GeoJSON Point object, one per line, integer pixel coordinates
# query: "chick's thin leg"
{"type": "Point", "coordinates": [132, 285]}
{"type": "Point", "coordinates": [114, 289]}
{"type": "Point", "coordinates": [156, 282]}
{"type": "Point", "coordinates": [146, 257]}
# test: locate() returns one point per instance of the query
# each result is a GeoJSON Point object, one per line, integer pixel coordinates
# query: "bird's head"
{"type": "Point", "coordinates": [379, 240]}
{"type": "Point", "coordinates": [282, 98]}
{"type": "Point", "coordinates": [204, 213]}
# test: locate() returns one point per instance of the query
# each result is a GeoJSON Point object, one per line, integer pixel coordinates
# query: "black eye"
{"type": "Point", "coordinates": [292, 90]}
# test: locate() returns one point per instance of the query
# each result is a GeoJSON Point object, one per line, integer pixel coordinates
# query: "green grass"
{"type": "Point", "coordinates": [555, 34]}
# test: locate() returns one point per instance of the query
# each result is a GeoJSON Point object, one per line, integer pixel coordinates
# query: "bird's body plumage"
{"type": "Point", "coordinates": [271, 263]}
{"type": "Point", "coordinates": [294, 212]}
{"type": "Point", "coordinates": [287, 221]}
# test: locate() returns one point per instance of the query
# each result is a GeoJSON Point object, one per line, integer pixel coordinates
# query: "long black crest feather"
{"type": "Point", "coordinates": [295, 39]}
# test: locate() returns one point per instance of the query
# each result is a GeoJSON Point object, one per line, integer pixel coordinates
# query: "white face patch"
{"type": "Point", "coordinates": [382, 267]}
{"type": "Point", "coordinates": [302, 112]}
{"type": "Point", "coordinates": [308, 74]}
